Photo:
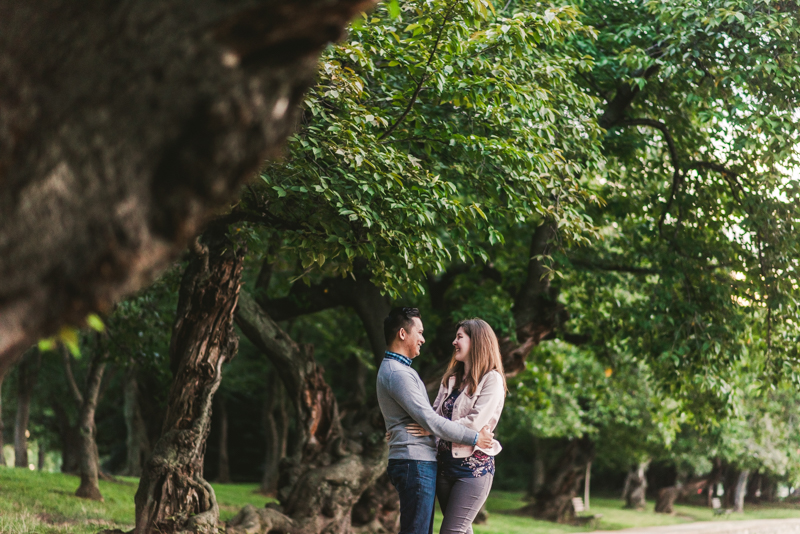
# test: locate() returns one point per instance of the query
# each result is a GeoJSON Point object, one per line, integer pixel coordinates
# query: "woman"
{"type": "Point", "coordinates": [472, 393]}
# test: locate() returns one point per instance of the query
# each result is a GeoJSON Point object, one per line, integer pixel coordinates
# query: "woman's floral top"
{"type": "Point", "coordinates": [477, 465]}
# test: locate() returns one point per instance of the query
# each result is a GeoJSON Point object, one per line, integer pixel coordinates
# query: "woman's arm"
{"type": "Point", "coordinates": [439, 398]}
{"type": "Point", "coordinates": [492, 395]}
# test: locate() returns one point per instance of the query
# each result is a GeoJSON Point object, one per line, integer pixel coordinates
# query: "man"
{"type": "Point", "coordinates": [404, 400]}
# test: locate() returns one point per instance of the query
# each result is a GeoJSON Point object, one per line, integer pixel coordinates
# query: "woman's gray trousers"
{"type": "Point", "coordinates": [461, 500]}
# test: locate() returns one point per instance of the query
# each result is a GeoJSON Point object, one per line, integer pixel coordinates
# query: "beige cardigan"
{"type": "Point", "coordinates": [475, 411]}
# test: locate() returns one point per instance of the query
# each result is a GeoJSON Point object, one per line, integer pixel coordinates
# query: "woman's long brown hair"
{"type": "Point", "coordinates": [484, 355]}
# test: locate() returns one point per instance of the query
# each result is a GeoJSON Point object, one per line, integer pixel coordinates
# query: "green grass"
{"type": "Point", "coordinates": [43, 503]}
{"type": "Point", "coordinates": [501, 506]}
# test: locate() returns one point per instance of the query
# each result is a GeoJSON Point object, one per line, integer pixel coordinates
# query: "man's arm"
{"type": "Point", "coordinates": [409, 392]}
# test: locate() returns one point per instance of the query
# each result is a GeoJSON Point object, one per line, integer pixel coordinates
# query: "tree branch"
{"type": "Point", "coordinates": [622, 100]}
{"type": "Point", "coordinates": [677, 176]}
{"type": "Point", "coordinates": [73, 385]}
{"type": "Point", "coordinates": [424, 76]}
{"type": "Point", "coordinates": [593, 265]}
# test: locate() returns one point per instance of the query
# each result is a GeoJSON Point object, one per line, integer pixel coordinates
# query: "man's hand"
{"type": "Point", "coordinates": [485, 438]}
{"type": "Point", "coordinates": [416, 430]}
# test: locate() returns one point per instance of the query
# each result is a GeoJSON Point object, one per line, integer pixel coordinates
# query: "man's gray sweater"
{"type": "Point", "coordinates": [403, 400]}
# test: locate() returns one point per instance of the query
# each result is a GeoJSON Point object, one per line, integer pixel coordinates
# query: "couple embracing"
{"type": "Point", "coordinates": [446, 450]}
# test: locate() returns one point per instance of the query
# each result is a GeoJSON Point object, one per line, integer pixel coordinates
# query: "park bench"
{"type": "Point", "coordinates": [716, 505]}
{"type": "Point", "coordinates": [580, 510]}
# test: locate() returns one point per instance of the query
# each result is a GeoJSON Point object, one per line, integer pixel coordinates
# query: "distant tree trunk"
{"type": "Point", "coordinates": [538, 472]}
{"type": "Point", "coordinates": [667, 496]}
{"type": "Point", "coordinates": [769, 489]}
{"type": "Point", "coordinates": [713, 480]}
{"type": "Point", "coordinates": [729, 485]}
{"type": "Point", "coordinates": [553, 502]}
{"type": "Point", "coordinates": [636, 486]}
{"type": "Point", "coordinates": [275, 440]}
{"type": "Point", "coordinates": [28, 371]}
{"type": "Point", "coordinates": [137, 444]}
{"type": "Point", "coordinates": [223, 463]}
{"type": "Point", "coordinates": [40, 455]}
{"type": "Point", "coordinates": [173, 496]}
{"type": "Point", "coordinates": [741, 490]}
{"type": "Point", "coordinates": [70, 440]}
{"type": "Point", "coordinates": [2, 427]}
{"type": "Point", "coordinates": [87, 431]}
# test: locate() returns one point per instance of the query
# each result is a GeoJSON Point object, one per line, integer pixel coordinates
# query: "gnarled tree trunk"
{"type": "Point", "coordinates": [636, 486]}
{"type": "Point", "coordinates": [553, 502]}
{"type": "Point", "coordinates": [28, 372]}
{"type": "Point", "coordinates": [667, 496]}
{"type": "Point", "coordinates": [116, 153]}
{"type": "Point", "coordinates": [88, 458]}
{"type": "Point", "coordinates": [173, 496]}
{"type": "Point", "coordinates": [320, 486]}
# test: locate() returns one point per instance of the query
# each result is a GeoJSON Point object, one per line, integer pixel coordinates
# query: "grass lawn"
{"type": "Point", "coordinates": [43, 503]}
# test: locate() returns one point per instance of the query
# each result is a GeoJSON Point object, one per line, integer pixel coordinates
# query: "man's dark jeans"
{"type": "Point", "coordinates": [415, 481]}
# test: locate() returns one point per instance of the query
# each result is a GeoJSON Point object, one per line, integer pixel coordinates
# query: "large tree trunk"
{"type": "Point", "coordinates": [2, 427]}
{"type": "Point", "coordinates": [116, 153]}
{"type": "Point", "coordinates": [636, 487]}
{"type": "Point", "coordinates": [553, 502]}
{"type": "Point", "coordinates": [741, 491]}
{"type": "Point", "coordinates": [223, 461]}
{"type": "Point", "coordinates": [137, 444]}
{"type": "Point", "coordinates": [87, 431]}
{"type": "Point", "coordinates": [28, 372]}
{"type": "Point", "coordinates": [333, 467]}
{"type": "Point", "coordinates": [667, 496]}
{"type": "Point", "coordinates": [173, 495]}
{"type": "Point", "coordinates": [713, 480]}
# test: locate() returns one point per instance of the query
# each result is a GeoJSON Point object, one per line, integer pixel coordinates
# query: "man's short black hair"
{"type": "Point", "coordinates": [398, 318]}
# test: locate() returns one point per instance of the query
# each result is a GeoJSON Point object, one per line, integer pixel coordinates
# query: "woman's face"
{"type": "Point", "coordinates": [461, 344]}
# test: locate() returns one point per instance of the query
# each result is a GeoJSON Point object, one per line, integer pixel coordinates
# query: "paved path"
{"type": "Point", "coordinates": [754, 526]}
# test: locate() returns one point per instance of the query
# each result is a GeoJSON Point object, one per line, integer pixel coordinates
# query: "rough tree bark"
{"type": "Point", "coordinates": [327, 478]}
{"type": "Point", "coordinates": [172, 494]}
{"type": "Point", "coordinates": [741, 490]}
{"type": "Point", "coordinates": [27, 374]}
{"type": "Point", "coordinates": [553, 502]}
{"type": "Point", "coordinates": [667, 496]}
{"type": "Point", "coordinates": [123, 127]}
{"type": "Point", "coordinates": [223, 461]}
{"type": "Point", "coordinates": [636, 486]}
{"type": "Point", "coordinates": [137, 444]}
{"type": "Point", "coordinates": [88, 458]}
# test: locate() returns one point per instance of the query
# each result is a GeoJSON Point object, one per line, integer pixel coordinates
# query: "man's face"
{"type": "Point", "coordinates": [413, 338]}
